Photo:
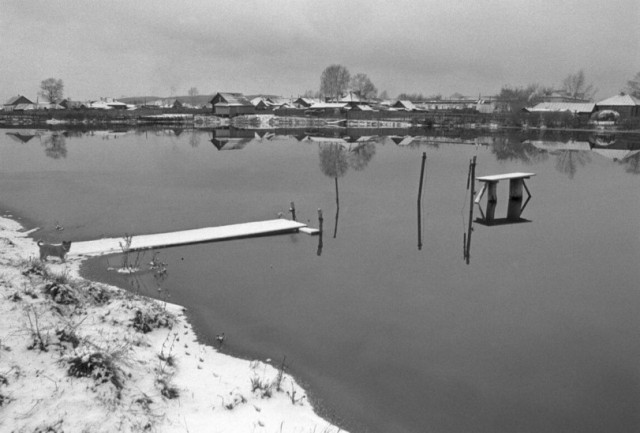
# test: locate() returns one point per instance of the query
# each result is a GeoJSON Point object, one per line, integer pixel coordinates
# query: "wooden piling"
{"type": "Point", "coordinates": [424, 160]}
{"type": "Point", "coordinates": [320, 222]}
{"type": "Point", "coordinates": [471, 183]}
{"type": "Point", "coordinates": [292, 209]}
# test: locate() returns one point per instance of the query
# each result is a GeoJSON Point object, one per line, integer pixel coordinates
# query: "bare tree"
{"type": "Point", "coordinates": [52, 89]}
{"type": "Point", "coordinates": [334, 81]}
{"type": "Point", "coordinates": [633, 86]}
{"type": "Point", "coordinates": [362, 85]}
{"type": "Point", "coordinates": [193, 92]}
{"type": "Point", "coordinates": [576, 86]}
{"type": "Point", "coordinates": [311, 94]}
{"type": "Point", "coordinates": [384, 95]}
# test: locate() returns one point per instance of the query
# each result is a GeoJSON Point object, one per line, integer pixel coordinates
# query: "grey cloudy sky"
{"type": "Point", "coordinates": [151, 47]}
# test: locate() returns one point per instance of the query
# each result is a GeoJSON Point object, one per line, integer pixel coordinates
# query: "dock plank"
{"type": "Point", "coordinates": [184, 237]}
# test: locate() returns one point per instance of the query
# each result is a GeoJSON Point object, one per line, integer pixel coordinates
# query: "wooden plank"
{"type": "Point", "coordinates": [208, 234]}
{"type": "Point", "coordinates": [309, 231]}
{"type": "Point", "coordinates": [498, 177]}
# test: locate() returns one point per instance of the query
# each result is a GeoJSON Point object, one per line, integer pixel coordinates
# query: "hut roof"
{"type": "Point", "coordinates": [407, 105]}
{"type": "Point", "coordinates": [351, 97]}
{"type": "Point", "coordinates": [231, 99]}
{"type": "Point", "coordinates": [574, 107]}
{"type": "Point", "coordinates": [620, 100]}
{"type": "Point", "coordinates": [362, 107]}
{"type": "Point", "coordinates": [322, 105]}
{"type": "Point", "coordinates": [19, 99]}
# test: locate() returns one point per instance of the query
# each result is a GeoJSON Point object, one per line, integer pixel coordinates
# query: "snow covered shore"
{"type": "Point", "coordinates": [79, 356]}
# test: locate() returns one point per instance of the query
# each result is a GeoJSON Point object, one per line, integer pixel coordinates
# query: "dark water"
{"type": "Point", "coordinates": [539, 332]}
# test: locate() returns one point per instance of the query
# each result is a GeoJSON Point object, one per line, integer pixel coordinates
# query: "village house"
{"type": "Point", "coordinates": [581, 109]}
{"type": "Point", "coordinates": [13, 102]}
{"type": "Point", "coordinates": [405, 106]}
{"type": "Point", "coordinates": [305, 102]}
{"type": "Point", "coordinates": [450, 104]}
{"type": "Point", "coordinates": [231, 105]}
{"type": "Point", "coordinates": [332, 108]}
{"type": "Point", "coordinates": [620, 106]}
{"type": "Point", "coordinates": [166, 103]}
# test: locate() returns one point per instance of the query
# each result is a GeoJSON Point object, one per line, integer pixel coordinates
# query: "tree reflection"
{"type": "Point", "coordinates": [509, 150]}
{"type": "Point", "coordinates": [568, 161]}
{"type": "Point", "coordinates": [55, 146]}
{"type": "Point", "coordinates": [334, 162]}
{"type": "Point", "coordinates": [632, 164]}
{"type": "Point", "coordinates": [360, 156]}
{"type": "Point", "coordinates": [194, 139]}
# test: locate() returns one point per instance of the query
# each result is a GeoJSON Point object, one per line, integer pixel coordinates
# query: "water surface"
{"type": "Point", "coordinates": [539, 332]}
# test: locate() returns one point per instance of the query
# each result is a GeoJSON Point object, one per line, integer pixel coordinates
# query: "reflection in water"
{"type": "Point", "coordinates": [568, 161]}
{"type": "Point", "coordinates": [506, 149]}
{"type": "Point", "coordinates": [194, 139]}
{"type": "Point", "coordinates": [632, 163]}
{"type": "Point", "coordinates": [334, 163]}
{"type": "Point", "coordinates": [572, 149]}
{"type": "Point", "coordinates": [22, 136]}
{"type": "Point", "coordinates": [55, 146]}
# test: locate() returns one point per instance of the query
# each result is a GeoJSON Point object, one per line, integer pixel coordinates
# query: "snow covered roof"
{"type": "Point", "coordinates": [362, 107]}
{"type": "Point", "coordinates": [15, 99]}
{"type": "Point", "coordinates": [620, 100]}
{"type": "Point", "coordinates": [230, 99]}
{"type": "Point", "coordinates": [574, 107]}
{"type": "Point", "coordinates": [351, 97]}
{"type": "Point", "coordinates": [407, 105]}
{"type": "Point", "coordinates": [321, 105]}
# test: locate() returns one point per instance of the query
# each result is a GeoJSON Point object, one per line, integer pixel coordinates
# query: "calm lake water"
{"type": "Point", "coordinates": [540, 332]}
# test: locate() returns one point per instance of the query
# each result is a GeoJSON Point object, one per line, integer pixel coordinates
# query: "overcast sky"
{"type": "Point", "coordinates": [157, 47]}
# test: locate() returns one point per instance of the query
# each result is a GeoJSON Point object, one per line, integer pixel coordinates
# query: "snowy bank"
{"type": "Point", "coordinates": [81, 356]}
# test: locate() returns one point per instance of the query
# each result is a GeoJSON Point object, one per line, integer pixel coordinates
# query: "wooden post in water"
{"type": "Point", "coordinates": [471, 183]}
{"type": "Point", "coordinates": [292, 209]}
{"type": "Point", "coordinates": [320, 221]}
{"type": "Point", "coordinates": [424, 160]}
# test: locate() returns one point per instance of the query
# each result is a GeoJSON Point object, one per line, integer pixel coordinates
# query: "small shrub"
{"type": "Point", "coordinates": [40, 341]}
{"type": "Point", "coordinates": [33, 266]}
{"type": "Point", "coordinates": [145, 402]}
{"type": "Point", "coordinates": [98, 366]}
{"type": "Point", "coordinates": [147, 321]}
{"type": "Point", "coordinates": [52, 428]}
{"type": "Point", "coordinates": [167, 390]}
{"type": "Point", "coordinates": [61, 293]}
{"type": "Point", "coordinates": [58, 277]}
{"type": "Point", "coordinates": [265, 387]}
{"type": "Point", "coordinates": [100, 295]}
{"type": "Point", "coordinates": [68, 336]}
{"type": "Point", "coordinates": [15, 297]}
{"type": "Point", "coordinates": [236, 399]}
{"type": "Point", "coordinates": [170, 360]}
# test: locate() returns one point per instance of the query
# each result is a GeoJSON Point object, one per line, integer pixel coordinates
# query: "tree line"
{"type": "Point", "coordinates": [336, 80]}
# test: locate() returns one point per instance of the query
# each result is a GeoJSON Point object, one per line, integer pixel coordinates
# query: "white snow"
{"type": "Point", "coordinates": [55, 325]}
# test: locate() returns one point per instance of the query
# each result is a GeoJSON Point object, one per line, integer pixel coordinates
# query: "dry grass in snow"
{"type": "Point", "coordinates": [78, 356]}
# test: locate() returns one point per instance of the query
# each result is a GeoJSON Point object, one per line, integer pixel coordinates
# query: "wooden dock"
{"type": "Point", "coordinates": [184, 237]}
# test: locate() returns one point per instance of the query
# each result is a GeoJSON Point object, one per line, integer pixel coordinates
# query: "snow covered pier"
{"type": "Point", "coordinates": [208, 234]}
